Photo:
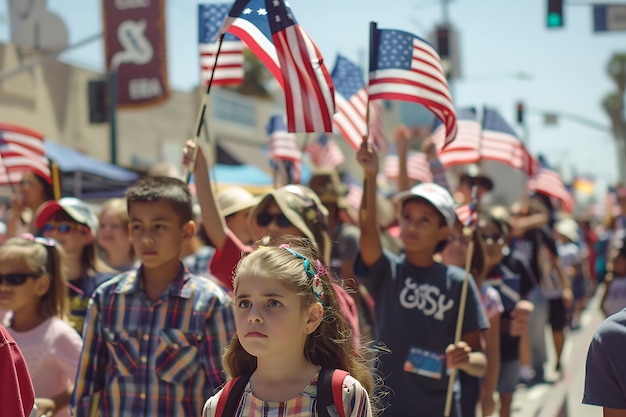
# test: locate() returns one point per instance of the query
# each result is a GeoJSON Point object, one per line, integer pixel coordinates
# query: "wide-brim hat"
{"type": "Point", "coordinates": [301, 206]}
{"type": "Point", "coordinates": [234, 199]}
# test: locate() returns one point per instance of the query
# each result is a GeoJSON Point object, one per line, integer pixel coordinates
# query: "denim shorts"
{"type": "Point", "coordinates": [509, 376]}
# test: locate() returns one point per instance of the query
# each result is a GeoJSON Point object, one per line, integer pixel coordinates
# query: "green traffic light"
{"type": "Point", "coordinates": [555, 20]}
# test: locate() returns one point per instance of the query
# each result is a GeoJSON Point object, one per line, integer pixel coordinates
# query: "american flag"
{"type": "Point", "coordinates": [229, 69]}
{"type": "Point", "coordinates": [21, 150]}
{"type": "Point", "coordinates": [465, 148]}
{"type": "Point", "coordinates": [309, 91]}
{"type": "Point", "coordinates": [417, 167]}
{"type": "Point", "coordinates": [500, 142]}
{"type": "Point", "coordinates": [548, 182]}
{"type": "Point", "coordinates": [351, 100]}
{"type": "Point", "coordinates": [406, 67]}
{"type": "Point", "coordinates": [283, 147]}
{"type": "Point", "coordinates": [325, 152]}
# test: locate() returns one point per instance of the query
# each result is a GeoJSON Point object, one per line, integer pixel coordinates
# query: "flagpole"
{"type": "Point", "coordinates": [56, 179]}
{"type": "Point", "coordinates": [201, 112]}
{"type": "Point", "coordinates": [373, 59]}
{"type": "Point", "coordinates": [461, 314]}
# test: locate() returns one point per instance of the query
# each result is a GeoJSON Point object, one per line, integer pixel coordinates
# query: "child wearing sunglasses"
{"type": "Point", "coordinates": [72, 223]}
{"type": "Point", "coordinates": [32, 287]}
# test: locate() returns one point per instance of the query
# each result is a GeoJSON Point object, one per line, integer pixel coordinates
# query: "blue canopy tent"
{"type": "Point", "coordinates": [85, 177]}
{"type": "Point", "coordinates": [249, 177]}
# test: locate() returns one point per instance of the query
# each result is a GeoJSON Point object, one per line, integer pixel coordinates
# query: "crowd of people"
{"type": "Point", "coordinates": [151, 304]}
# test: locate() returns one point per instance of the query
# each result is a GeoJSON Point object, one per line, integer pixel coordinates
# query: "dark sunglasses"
{"type": "Point", "coordinates": [63, 227]}
{"type": "Point", "coordinates": [15, 280]}
{"type": "Point", "coordinates": [265, 219]}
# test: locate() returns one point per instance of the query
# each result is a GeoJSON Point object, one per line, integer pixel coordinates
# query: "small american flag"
{"type": "Point", "coordinates": [548, 182]}
{"type": "Point", "coordinates": [416, 165]}
{"type": "Point", "coordinates": [351, 100]}
{"type": "Point", "coordinates": [229, 68]}
{"type": "Point", "coordinates": [406, 67]}
{"type": "Point", "coordinates": [284, 147]}
{"type": "Point", "coordinates": [285, 47]}
{"type": "Point", "coordinates": [465, 148]}
{"type": "Point", "coordinates": [325, 152]}
{"type": "Point", "coordinates": [21, 150]}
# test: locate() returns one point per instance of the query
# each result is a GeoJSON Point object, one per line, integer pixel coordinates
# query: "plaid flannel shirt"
{"type": "Point", "coordinates": [162, 358]}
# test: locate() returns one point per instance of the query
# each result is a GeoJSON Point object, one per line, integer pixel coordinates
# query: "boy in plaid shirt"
{"type": "Point", "coordinates": [153, 337]}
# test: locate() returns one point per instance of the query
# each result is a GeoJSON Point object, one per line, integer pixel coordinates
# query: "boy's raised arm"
{"type": "Point", "coordinates": [370, 246]}
{"type": "Point", "coordinates": [212, 219]}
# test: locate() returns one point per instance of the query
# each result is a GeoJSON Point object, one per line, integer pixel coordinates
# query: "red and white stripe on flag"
{"type": "Point", "coordinates": [283, 145]}
{"type": "Point", "coordinates": [229, 69]}
{"type": "Point", "coordinates": [21, 150]}
{"type": "Point", "coordinates": [417, 167]}
{"type": "Point", "coordinates": [309, 92]}
{"type": "Point", "coordinates": [549, 182]}
{"type": "Point", "coordinates": [464, 149]}
{"type": "Point", "coordinates": [325, 155]}
{"type": "Point", "coordinates": [350, 117]}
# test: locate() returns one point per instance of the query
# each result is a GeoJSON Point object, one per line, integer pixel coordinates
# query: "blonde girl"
{"type": "Point", "coordinates": [289, 327]}
{"type": "Point", "coordinates": [113, 238]}
{"type": "Point", "coordinates": [32, 287]}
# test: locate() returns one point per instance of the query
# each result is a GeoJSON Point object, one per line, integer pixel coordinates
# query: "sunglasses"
{"type": "Point", "coordinates": [63, 227]}
{"type": "Point", "coordinates": [16, 279]}
{"type": "Point", "coordinates": [265, 219]}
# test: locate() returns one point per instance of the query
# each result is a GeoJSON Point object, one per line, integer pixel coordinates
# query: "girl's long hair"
{"type": "Point", "coordinates": [330, 345]}
{"type": "Point", "coordinates": [42, 257]}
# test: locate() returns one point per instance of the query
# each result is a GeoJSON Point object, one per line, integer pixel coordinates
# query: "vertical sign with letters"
{"type": "Point", "coordinates": [134, 42]}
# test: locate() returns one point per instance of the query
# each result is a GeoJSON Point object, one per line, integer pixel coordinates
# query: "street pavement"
{"type": "Point", "coordinates": [562, 396]}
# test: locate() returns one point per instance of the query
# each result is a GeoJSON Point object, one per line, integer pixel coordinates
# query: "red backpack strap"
{"type": "Point", "coordinates": [230, 396]}
{"type": "Point", "coordinates": [338, 376]}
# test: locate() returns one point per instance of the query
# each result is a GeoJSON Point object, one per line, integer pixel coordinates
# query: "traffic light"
{"type": "Point", "coordinates": [443, 41]}
{"type": "Point", "coordinates": [520, 112]}
{"type": "Point", "coordinates": [554, 18]}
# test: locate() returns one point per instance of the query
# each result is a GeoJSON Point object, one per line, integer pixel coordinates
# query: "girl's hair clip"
{"type": "Point", "coordinates": [318, 288]}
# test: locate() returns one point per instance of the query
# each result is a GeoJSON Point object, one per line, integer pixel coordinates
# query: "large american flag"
{"type": "Point", "coordinates": [229, 68]}
{"type": "Point", "coordinates": [465, 148]}
{"type": "Point", "coordinates": [351, 100]}
{"type": "Point", "coordinates": [548, 182]}
{"type": "Point", "coordinates": [406, 67]}
{"type": "Point", "coordinates": [325, 152]}
{"type": "Point", "coordinates": [283, 147]}
{"type": "Point", "coordinates": [21, 150]}
{"type": "Point", "coordinates": [309, 91]}
{"type": "Point", "coordinates": [417, 167]}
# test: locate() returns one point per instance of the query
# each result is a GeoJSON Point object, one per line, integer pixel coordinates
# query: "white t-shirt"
{"type": "Point", "coordinates": [52, 351]}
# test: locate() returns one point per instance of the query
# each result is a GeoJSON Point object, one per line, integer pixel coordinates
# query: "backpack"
{"type": "Point", "coordinates": [329, 394]}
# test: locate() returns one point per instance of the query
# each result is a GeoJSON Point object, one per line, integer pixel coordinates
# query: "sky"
{"type": "Point", "coordinates": [498, 40]}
